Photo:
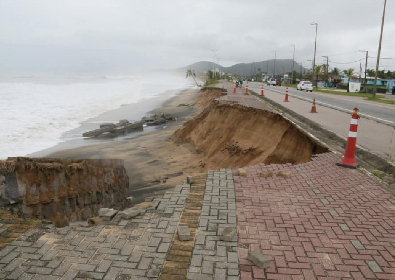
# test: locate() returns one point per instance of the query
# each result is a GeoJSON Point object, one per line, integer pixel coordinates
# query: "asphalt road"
{"type": "Point", "coordinates": [382, 111]}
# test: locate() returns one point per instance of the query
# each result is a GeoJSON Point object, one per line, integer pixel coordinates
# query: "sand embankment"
{"type": "Point", "coordinates": [231, 135]}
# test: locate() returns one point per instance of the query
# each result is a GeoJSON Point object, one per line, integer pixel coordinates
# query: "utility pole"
{"type": "Point", "coordinates": [293, 62]}
{"type": "Point", "coordinates": [214, 51]}
{"type": "Point", "coordinates": [267, 66]}
{"type": "Point", "coordinates": [366, 67]}
{"type": "Point", "coordinates": [327, 66]}
{"type": "Point", "coordinates": [379, 52]}
{"type": "Point", "coordinates": [274, 72]}
{"type": "Point", "coordinates": [315, 49]}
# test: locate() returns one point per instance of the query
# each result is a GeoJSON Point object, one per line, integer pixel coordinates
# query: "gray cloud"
{"type": "Point", "coordinates": [126, 36]}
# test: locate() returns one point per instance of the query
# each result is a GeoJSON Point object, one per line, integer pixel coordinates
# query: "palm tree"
{"type": "Point", "coordinates": [349, 73]}
{"type": "Point", "coordinates": [335, 71]}
{"type": "Point", "coordinates": [191, 73]}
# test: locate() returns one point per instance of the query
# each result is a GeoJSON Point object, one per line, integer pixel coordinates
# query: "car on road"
{"type": "Point", "coordinates": [273, 82]}
{"type": "Point", "coordinates": [305, 85]}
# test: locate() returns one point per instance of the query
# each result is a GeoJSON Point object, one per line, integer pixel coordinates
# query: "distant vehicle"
{"type": "Point", "coordinates": [249, 80]}
{"type": "Point", "coordinates": [305, 85]}
{"type": "Point", "coordinates": [273, 82]}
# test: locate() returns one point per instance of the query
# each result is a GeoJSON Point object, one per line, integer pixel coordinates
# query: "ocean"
{"type": "Point", "coordinates": [37, 113]}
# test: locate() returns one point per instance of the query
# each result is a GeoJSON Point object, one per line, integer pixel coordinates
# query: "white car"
{"type": "Point", "coordinates": [305, 85]}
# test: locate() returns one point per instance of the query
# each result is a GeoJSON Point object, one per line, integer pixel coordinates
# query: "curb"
{"type": "Point", "coordinates": [382, 121]}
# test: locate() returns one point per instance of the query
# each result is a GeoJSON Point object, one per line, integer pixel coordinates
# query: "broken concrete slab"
{"type": "Point", "coordinates": [130, 213]}
{"type": "Point", "coordinates": [285, 175]}
{"type": "Point", "coordinates": [242, 172]}
{"type": "Point", "coordinates": [183, 233]}
{"type": "Point", "coordinates": [109, 215]}
{"type": "Point", "coordinates": [103, 211]}
{"type": "Point", "coordinates": [227, 234]}
{"type": "Point", "coordinates": [259, 259]}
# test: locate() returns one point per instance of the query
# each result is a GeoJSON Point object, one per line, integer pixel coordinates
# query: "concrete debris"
{"type": "Point", "coordinates": [227, 234]}
{"type": "Point", "coordinates": [259, 259]}
{"type": "Point", "coordinates": [107, 214]}
{"type": "Point", "coordinates": [183, 233]}
{"type": "Point", "coordinates": [130, 213]}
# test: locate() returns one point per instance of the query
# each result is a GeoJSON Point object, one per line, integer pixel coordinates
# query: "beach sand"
{"type": "Point", "coordinates": [153, 161]}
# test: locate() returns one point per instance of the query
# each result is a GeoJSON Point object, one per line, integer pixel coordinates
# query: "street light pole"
{"type": "Point", "coordinates": [274, 72]}
{"type": "Point", "coordinates": [327, 66]}
{"type": "Point", "coordinates": [293, 63]}
{"type": "Point", "coordinates": [315, 49]}
{"type": "Point", "coordinates": [379, 52]}
{"type": "Point", "coordinates": [366, 67]}
{"type": "Point", "coordinates": [214, 51]}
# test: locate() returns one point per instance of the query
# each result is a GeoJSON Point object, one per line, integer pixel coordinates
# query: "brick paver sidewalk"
{"type": "Point", "coordinates": [325, 222]}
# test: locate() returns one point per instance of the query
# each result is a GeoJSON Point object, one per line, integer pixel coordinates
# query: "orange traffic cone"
{"type": "Point", "coordinates": [349, 155]}
{"type": "Point", "coordinates": [313, 109]}
{"type": "Point", "coordinates": [234, 89]}
{"type": "Point", "coordinates": [286, 98]}
{"type": "Point", "coordinates": [262, 94]}
{"type": "Point", "coordinates": [246, 89]}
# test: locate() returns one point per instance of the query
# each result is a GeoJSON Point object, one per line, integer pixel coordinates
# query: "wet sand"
{"type": "Point", "coordinates": [153, 161]}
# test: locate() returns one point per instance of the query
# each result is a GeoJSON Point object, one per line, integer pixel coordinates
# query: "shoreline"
{"type": "Point", "coordinates": [73, 139]}
{"type": "Point", "coordinates": [153, 162]}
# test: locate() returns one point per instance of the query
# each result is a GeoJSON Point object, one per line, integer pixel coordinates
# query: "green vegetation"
{"type": "Point", "coordinates": [380, 174]}
{"type": "Point", "coordinates": [211, 83]}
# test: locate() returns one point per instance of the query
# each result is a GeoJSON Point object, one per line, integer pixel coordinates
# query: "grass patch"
{"type": "Point", "coordinates": [380, 174]}
{"type": "Point", "coordinates": [380, 100]}
{"type": "Point", "coordinates": [211, 83]}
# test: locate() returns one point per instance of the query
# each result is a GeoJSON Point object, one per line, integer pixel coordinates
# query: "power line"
{"type": "Point", "coordinates": [347, 62]}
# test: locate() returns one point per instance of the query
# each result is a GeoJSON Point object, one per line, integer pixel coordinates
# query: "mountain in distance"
{"type": "Point", "coordinates": [248, 69]}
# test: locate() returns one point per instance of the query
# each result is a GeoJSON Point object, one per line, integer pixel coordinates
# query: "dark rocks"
{"type": "Point", "coordinates": [110, 130]}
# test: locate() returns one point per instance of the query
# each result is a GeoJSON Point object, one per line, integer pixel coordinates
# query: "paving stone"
{"type": "Point", "coordinates": [333, 213]}
{"type": "Point", "coordinates": [324, 201]}
{"type": "Point", "coordinates": [344, 227]}
{"type": "Point", "coordinates": [228, 234]}
{"type": "Point", "coordinates": [374, 266]}
{"type": "Point", "coordinates": [259, 259]}
{"type": "Point", "coordinates": [184, 233]}
{"type": "Point", "coordinates": [130, 213]}
{"type": "Point", "coordinates": [109, 215]}
{"type": "Point", "coordinates": [316, 191]}
{"type": "Point", "coordinates": [357, 244]}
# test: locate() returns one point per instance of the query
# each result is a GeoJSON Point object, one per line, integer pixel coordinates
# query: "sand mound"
{"type": "Point", "coordinates": [208, 95]}
{"type": "Point", "coordinates": [231, 135]}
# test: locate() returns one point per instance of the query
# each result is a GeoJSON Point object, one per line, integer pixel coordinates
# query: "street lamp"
{"type": "Point", "coordinates": [366, 66]}
{"type": "Point", "coordinates": [315, 48]}
{"type": "Point", "coordinates": [293, 62]}
{"type": "Point", "coordinates": [274, 72]}
{"type": "Point", "coordinates": [214, 51]}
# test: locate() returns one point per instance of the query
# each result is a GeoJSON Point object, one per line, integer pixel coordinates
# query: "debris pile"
{"type": "Point", "coordinates": [111, 130]}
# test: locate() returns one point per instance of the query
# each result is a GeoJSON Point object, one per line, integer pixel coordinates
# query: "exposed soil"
{"type": "Point", "coordinates": [231, 135]}
{"type": "Point", "coordinates": [208, 95]}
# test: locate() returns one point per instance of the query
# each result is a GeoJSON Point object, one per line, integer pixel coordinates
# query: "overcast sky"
{"type": "Point", "coordinates": [123, 36]}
